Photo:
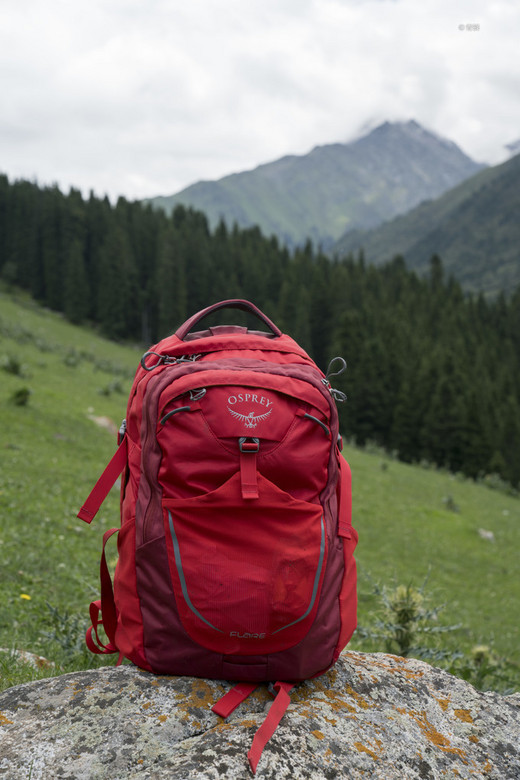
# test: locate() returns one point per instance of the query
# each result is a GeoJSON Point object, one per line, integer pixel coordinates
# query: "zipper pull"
{"type": "Point", "coordinates": [166, 360]}
{"type": "Point", "coordinates": [122, 432]}
{"type": "Point", "coordinates": [338, 395]}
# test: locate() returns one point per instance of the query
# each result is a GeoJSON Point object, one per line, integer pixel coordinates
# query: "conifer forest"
{"type": "Point", "coordinates": [433, 374]}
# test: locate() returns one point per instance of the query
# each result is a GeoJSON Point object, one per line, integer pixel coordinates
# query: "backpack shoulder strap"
{"type": "Point", "coordinates": [104, 484]}
{"type": "Point", "coordinates": [106, 607]}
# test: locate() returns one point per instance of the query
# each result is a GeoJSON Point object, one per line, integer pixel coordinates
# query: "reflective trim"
{"type": "Point", "coordinates": [315, 586]}
{"type": "Point", "coordinates": [182, 579]}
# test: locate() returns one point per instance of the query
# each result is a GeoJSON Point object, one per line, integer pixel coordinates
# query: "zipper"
{"type": "Point", "coordinates": [338, 395]}
{"type": "Point", "coordinates": [167, 360]}
{"type": "Point", "coordinates": [155, 386]}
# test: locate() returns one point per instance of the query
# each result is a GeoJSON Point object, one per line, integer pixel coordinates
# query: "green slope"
{"type": "Point", "coordinates": [408, 531]}
{"type": "Point", "coordinates": [474, 228]}
{"type": "Point", "coordinates": [52, 451]}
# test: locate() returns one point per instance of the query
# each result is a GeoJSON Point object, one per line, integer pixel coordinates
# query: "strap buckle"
{"type": "Point", "coordinates": [249, 444]}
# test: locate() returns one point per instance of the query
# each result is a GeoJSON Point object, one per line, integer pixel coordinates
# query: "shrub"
{"type": "Point", "coordinates": [12, 365]}
{"type": "Point", "coordinates": [407, 625]}
{"type": "Point", "coordinates": [21, 396]}
{"type": "Point", "coordinates": [403, 619]}
{"type": "Point", "coordinates": [67, 631]}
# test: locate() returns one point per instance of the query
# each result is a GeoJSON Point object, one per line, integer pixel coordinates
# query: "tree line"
{"type": "Point", "coordinates": [433, 374]}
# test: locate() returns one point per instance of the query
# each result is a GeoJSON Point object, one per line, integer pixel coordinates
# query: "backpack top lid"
{"type": "Point", "coordinates": [186, 342]}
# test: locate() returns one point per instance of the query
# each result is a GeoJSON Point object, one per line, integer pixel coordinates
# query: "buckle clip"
{"type": "Point", "coordinates": [248, 444]}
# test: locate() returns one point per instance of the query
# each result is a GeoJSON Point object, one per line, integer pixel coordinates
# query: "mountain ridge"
{"type": "Point", "coordinates": [474, 227]}
{"type": "Point", "coordinates": [334, 187]}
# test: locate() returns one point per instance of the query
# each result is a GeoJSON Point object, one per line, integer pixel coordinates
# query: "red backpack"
{"type": "Point", "coordinates": [236, 543]}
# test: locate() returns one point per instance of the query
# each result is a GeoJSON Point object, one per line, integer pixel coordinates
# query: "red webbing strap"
{"type": "Point", "coordinates": [248, 475]}
{"type": "Point", "coordinates": [345, 501]}
{"type": "Point", "coordinates": [106, 606]}
{"type": "Point", "coordinates": [105, 483]}
{"type": "Point", "coordinates": [97, 646]}
{"type": "Point", "coordinates": [268, 727]}
{"type": "Point", "coordinates": [230, 701]}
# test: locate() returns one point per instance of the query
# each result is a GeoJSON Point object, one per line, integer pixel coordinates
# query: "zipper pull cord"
{"type": "Point", "coordinates": [338, 395]}
{"type": "Point", "coordinates": [166, 360]}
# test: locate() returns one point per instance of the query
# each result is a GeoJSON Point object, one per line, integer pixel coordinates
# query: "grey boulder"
{"type": "Point", "coordinates": [371, 716]}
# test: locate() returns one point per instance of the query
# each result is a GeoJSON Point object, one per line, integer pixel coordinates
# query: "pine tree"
{"type": "Point", "coordinates": [118, 286]}
{"type": "Point", "coordinates": [98, 216]}
{"type": "Point", "coordinates": [76, 284]}
{"type": "Point", "coordinates": [171, 292]}
{"type": "Point", "coordinates": [510, 438]}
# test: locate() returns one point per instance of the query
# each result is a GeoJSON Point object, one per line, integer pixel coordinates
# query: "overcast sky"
{"type": "Point", "coordinates": [141, 98]}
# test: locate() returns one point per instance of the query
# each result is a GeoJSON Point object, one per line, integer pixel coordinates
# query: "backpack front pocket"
{"type": "Point", "coordinates": [246, 574]}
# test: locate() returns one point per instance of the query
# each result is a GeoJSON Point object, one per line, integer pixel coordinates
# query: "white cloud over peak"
{"type": "Point", "coordinates": [141, 99]}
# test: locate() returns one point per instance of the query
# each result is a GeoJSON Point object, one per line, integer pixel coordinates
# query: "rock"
{"type": "Point", "coordinates": [31, 659]}
{"type": "Point", "coordinates": [104, 422]}
{"type": "Point", "coordinates": [371, 716]}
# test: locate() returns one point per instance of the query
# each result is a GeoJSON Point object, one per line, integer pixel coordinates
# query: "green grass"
{"type": "Point", "coordinates": [51, 453]}
{"type": "Point", "coordinates": [408, 533]}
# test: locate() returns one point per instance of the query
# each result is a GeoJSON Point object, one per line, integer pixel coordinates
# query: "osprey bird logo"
{"type": "Point", "coordinates": [251, 420]}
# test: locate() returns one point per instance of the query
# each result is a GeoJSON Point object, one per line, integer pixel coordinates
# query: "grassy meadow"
{"type": "Point", "coordinates": [59, 385]}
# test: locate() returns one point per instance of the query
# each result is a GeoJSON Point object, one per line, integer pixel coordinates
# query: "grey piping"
{"type": "Point", "coordinates": [178, 563]}
{"type": "Point", "coordinates": [180, 572]}
{"type": "Point", "coordinates": [174, 411]}
{"type": "Point", "coordinates": [316, 583]}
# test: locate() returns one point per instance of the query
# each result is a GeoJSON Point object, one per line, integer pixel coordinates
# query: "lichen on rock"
{"type": "Point", "coordinates": [371, 716]}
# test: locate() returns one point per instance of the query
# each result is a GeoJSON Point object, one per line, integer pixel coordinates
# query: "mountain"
{"type": "Point", "coordinates": [474, 227]}
{"type": "Point", "coordinates": [514, 147]}
{"type": "Point", "coordinates": [334, 188]}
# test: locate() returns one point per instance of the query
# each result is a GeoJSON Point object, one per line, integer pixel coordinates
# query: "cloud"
{"type": "Point", "coordinates": [140, 99]}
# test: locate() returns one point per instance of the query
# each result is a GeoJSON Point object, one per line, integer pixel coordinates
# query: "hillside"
{"type": "Point", "coordinates": [335, 187]}
{"type": "Point", "coordinates": [474, 227]}
{"type": "Point", "coordinates": [411, 520]}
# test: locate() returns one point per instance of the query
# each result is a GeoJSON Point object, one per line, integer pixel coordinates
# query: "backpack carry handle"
{"type": "Point", "coordinates": [234, 303]}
